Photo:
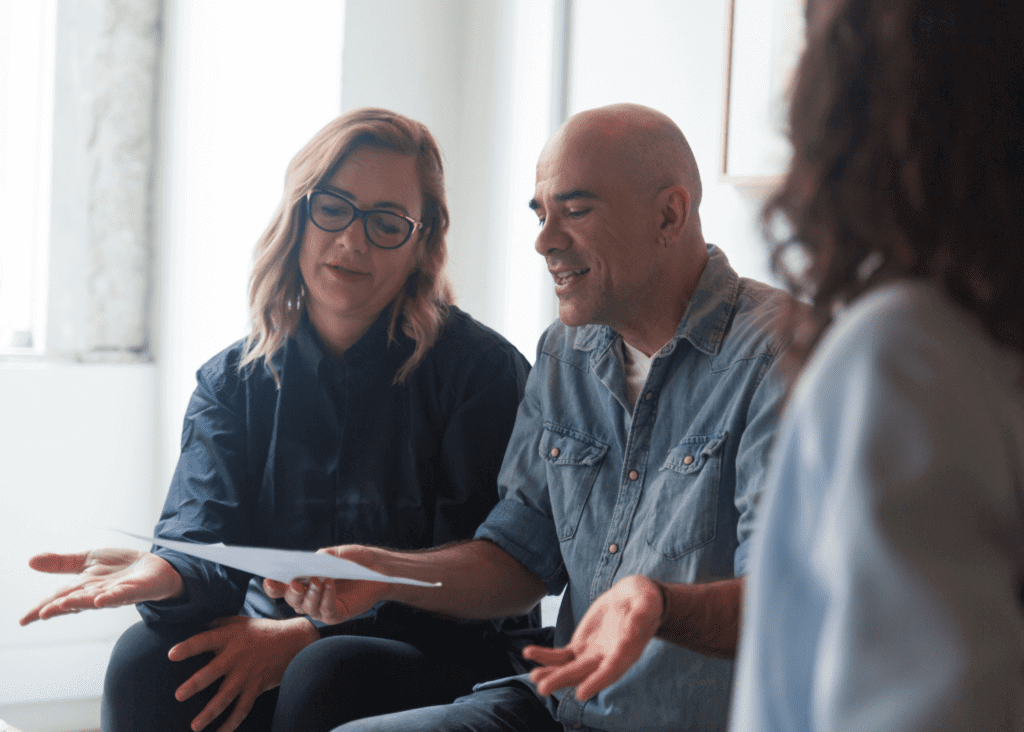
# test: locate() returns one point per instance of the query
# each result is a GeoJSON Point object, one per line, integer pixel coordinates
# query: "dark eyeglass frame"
{"type": "Point", "coordinates": [358, 213]}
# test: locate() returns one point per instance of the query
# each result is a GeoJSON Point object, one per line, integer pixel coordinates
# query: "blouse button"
{"type": "Point", "coordinates": [633, 475]}
{"type": "Point", "coordinates": [688, 459]}
{"type": "Point", "coordinates": [648, 395]}
{"type": "Point", "coordinates": [555, 452]}
{"type": "Point", "coordinates": [613, 548]}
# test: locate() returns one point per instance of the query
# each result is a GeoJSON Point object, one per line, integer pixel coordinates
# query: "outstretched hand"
{"type": "Point", "coordinates": [328, 600]}
{"type": "Point", "coordinates": [250, 654]}
{"type": "Point", "coordinates": [613, 633]}
{"type": "Point", "coordinates": [106, 578]}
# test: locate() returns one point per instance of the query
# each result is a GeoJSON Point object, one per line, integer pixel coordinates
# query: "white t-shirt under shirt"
{"type": "Point", "coordinates": [637, 365]}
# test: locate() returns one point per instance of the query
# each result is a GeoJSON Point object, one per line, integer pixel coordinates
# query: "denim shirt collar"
{"type": "Point", "coordinates": [704, 322]}
{"type": "Point", "coordinates": [371, 345]}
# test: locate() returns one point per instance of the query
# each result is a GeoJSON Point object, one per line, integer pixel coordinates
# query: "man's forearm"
{"type": "Point", "coordinates": [704, 617]}
{"type": "Point", "coordinates": [478, 580]}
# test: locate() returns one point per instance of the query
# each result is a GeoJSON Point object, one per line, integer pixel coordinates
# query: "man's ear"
{"type": "Point", "coordinates": [673, 212]}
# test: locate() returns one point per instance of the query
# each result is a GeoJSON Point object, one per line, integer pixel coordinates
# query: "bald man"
{"type": "Point", "coordinates": [634, 470]}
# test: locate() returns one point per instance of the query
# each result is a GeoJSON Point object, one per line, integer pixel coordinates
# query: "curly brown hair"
{"type": "Point", "coordinates": [907, 125]}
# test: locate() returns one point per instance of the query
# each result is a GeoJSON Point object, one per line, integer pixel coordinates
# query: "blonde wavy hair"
{"type": "Point", "coordinates": [276, 289]}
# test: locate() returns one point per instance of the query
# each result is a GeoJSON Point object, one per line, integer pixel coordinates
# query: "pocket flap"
{"type": "Point", "coordinates": [565, 446]}
{"type": "Point", "coordinates": [691, 454]}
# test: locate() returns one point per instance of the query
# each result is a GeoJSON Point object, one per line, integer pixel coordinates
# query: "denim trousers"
{"type": "Point", "coordinates": [511, 708]}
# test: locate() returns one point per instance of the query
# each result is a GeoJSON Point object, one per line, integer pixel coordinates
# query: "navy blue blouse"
{"type": "Point", "coordinates": [337, 455]}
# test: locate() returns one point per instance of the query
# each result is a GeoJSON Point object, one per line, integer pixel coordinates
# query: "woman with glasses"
{"type": "Point", "coordinates": [362, 408]}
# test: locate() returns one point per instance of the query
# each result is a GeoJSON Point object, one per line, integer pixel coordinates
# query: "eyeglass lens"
{"type": "Point", "coordinates": [383, 228]}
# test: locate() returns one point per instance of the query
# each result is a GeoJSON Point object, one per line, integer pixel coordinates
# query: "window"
{"type": "Point", "coordinates": [26, 132]}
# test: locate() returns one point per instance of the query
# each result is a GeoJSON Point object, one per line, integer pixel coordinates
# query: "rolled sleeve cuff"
{"type": "Point", "coordinates": [529, 537]}
{"type": "Point", "coordinates": [740, 559]}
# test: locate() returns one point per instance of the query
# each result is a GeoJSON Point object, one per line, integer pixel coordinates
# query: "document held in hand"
{"type": "Point", "coordinates": [283, 565]}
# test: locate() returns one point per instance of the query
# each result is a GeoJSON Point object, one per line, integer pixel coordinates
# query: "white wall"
{"type": "Point", "coordinates": [670, 55]}
{"type": "Point", "coordinates": [77, 447]}
{"type": "Point", "coordinates": [246, 85]}
{"type": "Point", "coordinates": [477, 73]}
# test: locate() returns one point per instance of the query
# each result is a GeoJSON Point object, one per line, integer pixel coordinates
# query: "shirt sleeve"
{"type": "Point", "coordinates": [523, 523]}
{"type": "Point", "coordinates": [205, 500]}
{"type": "Point", "coordinates": [753, 455]}
{"type": "Point", "coordinates": [474, 441]}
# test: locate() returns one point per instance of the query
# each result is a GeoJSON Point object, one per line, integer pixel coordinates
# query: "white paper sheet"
{"type": "Point", "coordinates": [282, 565]}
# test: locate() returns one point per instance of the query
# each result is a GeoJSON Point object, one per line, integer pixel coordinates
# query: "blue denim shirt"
{"type": "Point", "coordinates": [593, 491]}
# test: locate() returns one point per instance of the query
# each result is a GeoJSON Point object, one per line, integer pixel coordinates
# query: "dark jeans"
{"type": "Point", "coordinates": [511, 708]}
{"type": "Point", "coordinates": [138, 692]}
{"type": "Point", "coordinates": [333, 681]}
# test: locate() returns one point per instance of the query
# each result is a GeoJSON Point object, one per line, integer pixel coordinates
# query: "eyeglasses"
{"type": "Point", "coordinates": [384, 229]}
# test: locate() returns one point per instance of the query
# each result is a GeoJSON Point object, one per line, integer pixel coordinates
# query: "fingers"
{"type": "Point", "coordinates": [200, 679]}
{"type": "Point", "coordinates": [305, 598]}
{"type": "Point", "coordinates": [243, 705]}
{"type": "Point", "coordinates": [64, 602]}
{"type": "Point", "coordinates": [552, 678]}
{"type": "Point", "coordinates": [116, 596]}
{"type": "Point", "coordinates": [329, 603]}
{"type": "Point", "coordinates": [317, 598]}
{"type": "Point", "coordinates": [228, 692]}
{"type": "Point", "coordinates": [208, 640]}
{"type": "Point", "coordinates": [601, 678]}
{"type": "Point", "coordinates": [59, 563]}
{"type": "Point", "coordinates": [274, 588]}
{"type": "Point", "coordinates": [548, 656]}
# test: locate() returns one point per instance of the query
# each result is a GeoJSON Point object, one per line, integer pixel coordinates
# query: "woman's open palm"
{"type": "Point", "coordinates": [106, 578]}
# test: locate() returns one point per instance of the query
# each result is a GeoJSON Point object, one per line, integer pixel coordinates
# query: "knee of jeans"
{"type": "Point", "coordinates": [137, 646]}
{"type": "Point", "coordinates": [141, 652]}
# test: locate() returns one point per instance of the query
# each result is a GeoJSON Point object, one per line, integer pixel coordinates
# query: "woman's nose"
{"type": "Point", "coordinates": [353, 238]}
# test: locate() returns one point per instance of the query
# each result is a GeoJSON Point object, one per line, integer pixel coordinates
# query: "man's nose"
{"type": "Point", "coordinates": [550, 239]}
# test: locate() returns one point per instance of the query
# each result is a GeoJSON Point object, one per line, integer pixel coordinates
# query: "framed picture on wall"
{"type": "Point", "coordinates": [764, 39]}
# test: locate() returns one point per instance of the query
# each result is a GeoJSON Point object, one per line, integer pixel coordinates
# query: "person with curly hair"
{"type": "Point", "coordinates": [885, 584]}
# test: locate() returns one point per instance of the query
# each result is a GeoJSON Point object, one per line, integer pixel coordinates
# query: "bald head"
{"type": "Point", "coordinates": [643, 145]}
{"type": "Point", "coordinates": [616, 197]}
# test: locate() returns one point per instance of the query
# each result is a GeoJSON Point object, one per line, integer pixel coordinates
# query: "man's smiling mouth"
{"type": "Point", "coordinates": [564, 278]}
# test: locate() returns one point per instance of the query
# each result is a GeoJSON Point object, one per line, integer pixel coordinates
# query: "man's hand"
{"type": "Point", "coordinates": [611, 636]}
{"type": "Point", "coordinates": [251, 654]}
{"type": "Point", "coordinates": [331, 601]}
{"type": "Point", "coordinates": [106, 578]}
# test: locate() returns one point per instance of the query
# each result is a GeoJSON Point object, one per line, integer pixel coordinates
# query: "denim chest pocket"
{"type": "Point", "coordinates": [572, 460]}
{"type": "Point", "coordinates": [685, 506]}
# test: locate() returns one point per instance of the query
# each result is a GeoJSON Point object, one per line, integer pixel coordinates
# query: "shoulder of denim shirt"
{"type": "Point", "coordinates": [574, 345]}
{"type": "Point", "coordinates": [730, 318]}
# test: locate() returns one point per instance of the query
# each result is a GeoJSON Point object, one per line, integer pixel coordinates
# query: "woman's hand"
{"type": "Point", "coordinates": [613, 633]}
{"type": "Point", "coordinates": [106, 578]}
{"type": "Point", "coordinates": [251, 654]}
{"type": "Point", "coordinates": [332, 601]}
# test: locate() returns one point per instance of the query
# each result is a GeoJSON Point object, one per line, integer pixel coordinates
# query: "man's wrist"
{"type": "Point", "coordinates": [665, 610]}
{"type": "Point", "coordinates": [307, 628]}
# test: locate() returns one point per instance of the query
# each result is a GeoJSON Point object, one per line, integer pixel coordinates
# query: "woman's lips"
{"type": "Point", "coordinates": [346, 275]}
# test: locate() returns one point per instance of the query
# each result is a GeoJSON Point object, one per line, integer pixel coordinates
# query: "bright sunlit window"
{"type": "Point", "coordinates": [26, 130]}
